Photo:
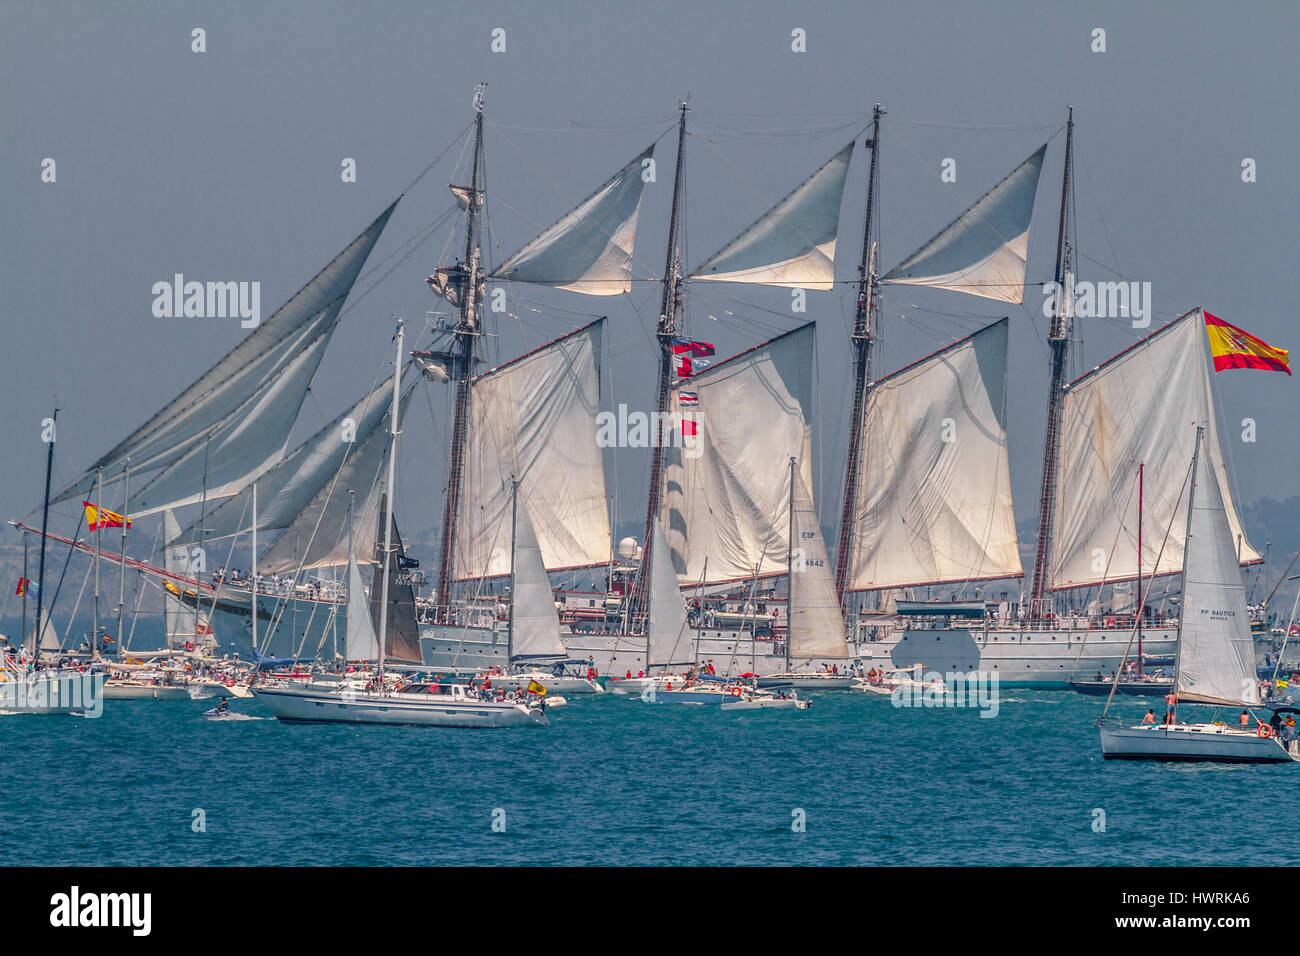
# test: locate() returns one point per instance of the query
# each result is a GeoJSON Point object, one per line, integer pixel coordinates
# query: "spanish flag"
{"type": "Point", "coordinates": [1233, 348]}
{"type": "Point", "coordinates": [536, 688]}
{"type": "Point", "coordinates": [23, 585]}
{"type": "Point", "coordinates": [97, 518]}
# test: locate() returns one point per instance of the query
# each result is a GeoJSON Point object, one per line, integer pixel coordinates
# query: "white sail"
{"type": "Point", "coordinates": [936, 485]}
{"type": "Point", "coordinates": [240, 449]}
{"type": "Point", "coordinates": [983, 251]}
{"type": "Point", "coordinates": [317, 537]}
{"type": "Point", "coordinates": [1135, 409]}
{"type": "Point", "coordinates": [361, 643]}
{"type": "Point", "coordinates": [49, 637]}
{"type": "Point", "coordinates": [1216, 654]}
{"type": "Point", "coordinates": [670, 640]}
{"type": "Point", "coordinates": [793, 244]}
{"type": "Point", "coordinates": [816, 625]}
{"type": "Point", "coordinates": [590, 249]}
{"type": "Point", "coordinates": [535, 419]}
{"type": "Point", "coordinates": [285, 490]}
{"type": "Point", "coordinates": [534, 621]}
{"type": "Point", "coordinates": [178, 618]}
{"type": "Point", "coordinates": [226, 386]}
{"type": "Point", "coordinates": [726, 496]}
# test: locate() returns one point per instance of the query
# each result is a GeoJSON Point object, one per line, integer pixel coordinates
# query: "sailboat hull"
{"type": "Point", "coordinates": [62, 693]}
{"type": "Point", "coordinates": [118, 690]}
{"type": "Point", "coordinates": [1208, 743]}
{"type": "Point", "coordinates": [304, 705]}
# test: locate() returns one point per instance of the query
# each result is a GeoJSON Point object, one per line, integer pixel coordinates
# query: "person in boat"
{"type": "Point", "coordinates": [1244, 719]}
{"type": "Point", "coordinates": [1171, 700]}
{"type": "Point", "coordinates": [1150, 718]}
{"type": "Point", "coordinates": [222, 707]}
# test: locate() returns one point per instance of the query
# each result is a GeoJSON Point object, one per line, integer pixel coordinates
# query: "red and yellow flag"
{"type": "Point", "coordinates": [1233, 348]}
{"type": "Point", "coordinates": [97, 517]}
{"type": "Point", "coordinates": [23, 585]}
{"type": "Point", "coordinates": [536, 688]}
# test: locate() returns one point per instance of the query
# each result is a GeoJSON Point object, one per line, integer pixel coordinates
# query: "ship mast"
{"type": "Point", "coordinates": [861, 368]}
{"type": "Point", "coordinates": [667, 328]}
{"type": "Point", "coordinates": [465, 340]}
{"type": "Point", "coordinates": [1058, 338]}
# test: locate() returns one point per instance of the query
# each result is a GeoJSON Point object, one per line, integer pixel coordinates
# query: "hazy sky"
{"type": "Point", "coordinates": [225, 165]}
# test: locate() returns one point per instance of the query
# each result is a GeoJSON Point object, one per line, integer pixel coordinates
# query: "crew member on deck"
{"type": "Point", "coordinates": [1150, 718]}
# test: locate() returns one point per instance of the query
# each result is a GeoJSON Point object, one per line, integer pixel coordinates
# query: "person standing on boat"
{"type": "Point", "coordinates": [1171, 699]}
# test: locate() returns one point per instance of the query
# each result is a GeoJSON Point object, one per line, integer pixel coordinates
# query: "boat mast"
{"type": "Point", "coordinates": [514, 525]}
{"type": "Point", "coordinates": [121, 567]}
{"type": "Point", "coordinates": [26, 585]}
{"type": "Point", "coordinates": [667, 328]}
{"type": "Point", "coordinates": [252, 577]}
{"type": "Point", "coordinates": [1187, 540]}
{"type": "Point", "coordinates": [1141, 597]}
{"type": "Point", "coordinates": [99, 550]}
{"type": "Point", "coordinates": [465, 339]}
{"type": "Point", "coordinates": [861, 367]}
{"type": "Point", "coordinates": [1058, 337]}
{"type": "Point", "coordinates": [45, 520]}
{"type": "Point", "coordinates": [789, 575]}
{"type": "Point", "coordinates": [388, 511]}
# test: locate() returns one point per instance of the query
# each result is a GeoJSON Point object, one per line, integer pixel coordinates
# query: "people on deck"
{"type": "Point", "coordinates": [1150, 718]}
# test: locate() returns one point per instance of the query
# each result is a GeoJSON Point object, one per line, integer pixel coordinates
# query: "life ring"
{"type": "Point", "coordinates": [1265, 730]}
{"type": "Point", "coordinates": [735, 692]}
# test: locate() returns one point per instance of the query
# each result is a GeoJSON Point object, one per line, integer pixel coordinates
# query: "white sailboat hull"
{"type": "Point", "coordinates": [62, 693]}
{"type": "Point", "coordinates": [1190, 742]}
{"type": "Point", "coordinates": [305, 705]}
{"type": "Point", "coordinates": [118, 690]}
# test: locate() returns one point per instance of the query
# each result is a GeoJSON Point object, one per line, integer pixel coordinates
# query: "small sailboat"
{"type": "Point", "coordinates": [911, 679]}
{"type": "Point", "coordinates": [1216, 658]}
{"type": "Point", "coordinates": [382, 702]}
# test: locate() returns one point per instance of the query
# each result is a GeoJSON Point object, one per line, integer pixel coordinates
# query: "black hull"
{"type": "Point", "coordinates": [1127, 688]}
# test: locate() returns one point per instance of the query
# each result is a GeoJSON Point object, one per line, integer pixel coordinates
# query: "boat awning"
{"type": "Point", "coordinates": [974, 609]}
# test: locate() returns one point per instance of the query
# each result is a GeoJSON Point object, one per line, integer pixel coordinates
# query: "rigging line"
{"type": "Point", "coordinates": [588, 127]}
{"type": "Point", "coordinates": [984, 126]}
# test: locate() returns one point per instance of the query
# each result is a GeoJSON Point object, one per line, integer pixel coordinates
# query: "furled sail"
{"type": "Point", "coordinates": [224, 388]}
{"type": "Point", "coordinates": [534, 621]}
{"type": "Point", "coordinates": [793, 244]}
{"type": "Point", "coordinates": [936, 503]}
{"type": "Point", "coordinates": [983, 251]}
{"type": "Point", "coordinates": [816, 625]}
{"type": "Point", "coordinates": [317, 537]}
{"type": "Point", "coordinates": [402, 640]}
{"type": "Point", "coordinates": [1135, 409]}
{"type": "Point", "coordinates": [726, 492]}
{"type": "Point", "coordinates": [590, 249]}
{"type": "Point", "coordinates": [360, 642]}
{"type": "Point", "coordinates": [246, 444]}
{"type": "Point", "coordinates": [535, 419]}
{"type": "Point", "coordinates": [1216, 654]}
{"type": "Point", "coordinates": [285, 490]}
{"type": "Point", "coordinates": [670, 640]}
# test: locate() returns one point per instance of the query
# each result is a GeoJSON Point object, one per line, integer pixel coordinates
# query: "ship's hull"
{"type": "Point", "coordinates": [303, 705]}
{"type": "Point", "coordinates": [1128, 688]}
{"type": "Point", "coordinates": [1028, 657]}
{"type": "Point", "coordinates": [1206, 743]}
{"type": "Point", "coordinates": [114, 690]}
{"type": "Point", "coordinates": [63, 693]}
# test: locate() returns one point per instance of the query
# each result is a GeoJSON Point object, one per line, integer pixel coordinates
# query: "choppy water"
{"type": "Point", "coordinates": [617, 781]}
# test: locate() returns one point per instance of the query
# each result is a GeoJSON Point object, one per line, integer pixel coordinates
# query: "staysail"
{"type": "Point", "coordinates": [534, 621]}
{"type": "Point", "coordinates": [936, 485]}
{"type": "Point", "coordinates": [1136, 409]}
{"type": "Point", "coordinates": [816, 625]}
{"type": "Point", "coordinates": [178, 618]}
{"type": "Point", "coordinates": [535, 419]}
{"type": "Point", "coordinates": [590, 249]}
{"type": "Point", "coordinates": [726, 492]}
{"type": "Point", "coordinates": [983, 251]}
{"type": "Point", "coordinates": [1216, 654]}
{"type": "Point", "coordinates": [217, 394]}
{"type": "Point", "coordinates": [403, 638]}
{"type": "Point", "coordinates": [360, 642]}
{"type": "Point", "coordinates": [668, 636]}
{"type": "Point", "coordinates": [793, 244]}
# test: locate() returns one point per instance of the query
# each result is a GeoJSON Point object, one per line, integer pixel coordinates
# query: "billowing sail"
{"type": "Point", "coordinates": [1135, 409]}
{"type": "Point", "coordinates": [317, 537]}
{"type": "Point", "coordinates": [223, 389]}
{"type": "Point", "coordinates": [242, 447]}
{"type": "Point", "coordinates": [936, 484]}
{"type": "Point", "coordinates": [402, 638]}
{"type": "Point", "coordinates": [534, 621]}
{"type": "Point", "coordinates": [590, 249]}
{"type": "Point", "coordinates": [816, 625]}
{"type": "Point", "coordinates": [360, 643]}
{"type": "Point", "coordinates": [285, 490]}
{"type": "Point", "coordinates": [793, 244]}
{"type": "Point", "coordinates": [670, 640]}
{"type": "Point", "coordinates": [1216, 654]}
{"type": "Point", "coordinates": [535, 419]}
{"type": "Point", "coordinates": [726, 491]}
{"type": "Point", "coordinates": [983, 251]}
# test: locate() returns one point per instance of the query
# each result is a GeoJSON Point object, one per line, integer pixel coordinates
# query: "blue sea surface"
{"type": "Point", "coordinates": [615, 780]}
